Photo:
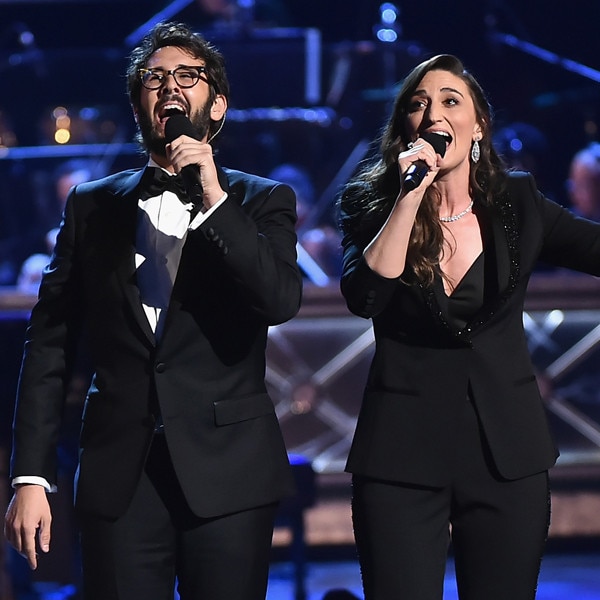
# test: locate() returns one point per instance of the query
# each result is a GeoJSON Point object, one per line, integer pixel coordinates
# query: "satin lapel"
{"type": "Point", "coordinates": [507, 244]}
{"type": "Point", "coordinates": [503, 265]}
{"type": "Point", "coordinates": [440, 300]}
{"type": "Point", "coordinates": [506, 247]}
{"type": "Point", "coordinates": [437, 302]}
{"type": "Point", "coordinates": [126, 269]}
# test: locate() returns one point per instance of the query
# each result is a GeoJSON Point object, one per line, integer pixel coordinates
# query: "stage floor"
{"type": "Point", "coordinates": [563, 577]}
{"type": "Point", "coordinates": [570, 576]}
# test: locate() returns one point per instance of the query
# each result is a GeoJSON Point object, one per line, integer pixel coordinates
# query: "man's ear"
{"type": "Point", "coordinates": [218, 108]}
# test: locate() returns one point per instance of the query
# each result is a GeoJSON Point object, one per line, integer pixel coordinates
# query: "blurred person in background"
{"type": "Point", "coordinates": [67, 175]}
{"type": "Point", "coordinates": [583, 183]}
{"type": "Point", "coordinates": [319, 238]}
{"type": "Point", "coordinates": [224, 15]}
{"type": "Point", "coordinates": [522, 147]}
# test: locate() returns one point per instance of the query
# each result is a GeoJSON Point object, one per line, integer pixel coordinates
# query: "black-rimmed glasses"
{"type": "Point", "coordinates": [185, 77]}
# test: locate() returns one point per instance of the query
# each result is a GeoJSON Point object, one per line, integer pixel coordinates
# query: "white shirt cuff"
{"type": "Point", "coordinates": [34, 480]}
{"type": "Point", "coordinates": [203, 215]}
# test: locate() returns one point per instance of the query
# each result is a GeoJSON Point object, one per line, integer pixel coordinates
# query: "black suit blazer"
{"type": "Point", "coordinates": [424, 368]}
{"type": "Point", "coordinates": [237, 275]}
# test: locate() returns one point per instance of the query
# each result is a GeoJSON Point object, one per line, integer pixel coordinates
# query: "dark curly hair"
{"type": "Point", "coordinates": [180, 36]}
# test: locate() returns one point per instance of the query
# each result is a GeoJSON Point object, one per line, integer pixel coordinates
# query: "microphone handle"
{"type": "Point", "coordinates": [415, 175]}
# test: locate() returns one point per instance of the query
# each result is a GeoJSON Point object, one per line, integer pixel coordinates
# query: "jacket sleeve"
{"type": "Point", "coordinates": [48, 357]}
{"type": "Point", "coordinates": [366, 292]}
{"type": "Point", "coordinates": [568, 241]}
{"type": "Point", "coordinates": [256, 241]}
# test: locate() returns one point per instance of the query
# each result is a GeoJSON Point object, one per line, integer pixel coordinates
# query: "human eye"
{"type": "Point", "coordinates": [452, 101]}
{"type": "Point", "coordinates": [151, 76]}
{"type": "Point", "coordinates": [187, 74]}
{"type": "Point", "coordinates": [416, 104]}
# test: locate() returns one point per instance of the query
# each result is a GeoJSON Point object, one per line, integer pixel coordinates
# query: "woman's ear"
{"type": "Point", "coordinates": [477, 132]}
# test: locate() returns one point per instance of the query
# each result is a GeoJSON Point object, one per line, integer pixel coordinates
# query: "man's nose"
{"type": "Point", "coordinates": [169, 83]}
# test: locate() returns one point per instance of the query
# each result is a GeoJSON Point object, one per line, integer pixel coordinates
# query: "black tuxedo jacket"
{"type": "Point", "coordinates": [423, 368]}
{"type": "Point", "coordinates": [237, 276]}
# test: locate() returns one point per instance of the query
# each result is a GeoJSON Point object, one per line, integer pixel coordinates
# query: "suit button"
{"type": "Point", "coordinates": [160, 367]}
{"type": "Point", "coordinates": [211, 234]}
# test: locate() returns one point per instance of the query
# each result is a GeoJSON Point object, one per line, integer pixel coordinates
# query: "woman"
{"type": "Point", "coordinates": [452, 432]}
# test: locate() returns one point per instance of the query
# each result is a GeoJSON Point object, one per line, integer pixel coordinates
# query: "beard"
{"type": "Point", "coordinates": [155, 142]}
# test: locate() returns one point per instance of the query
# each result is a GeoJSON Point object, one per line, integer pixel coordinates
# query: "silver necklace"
{"type": "Point", "coordinates": [460, 215]}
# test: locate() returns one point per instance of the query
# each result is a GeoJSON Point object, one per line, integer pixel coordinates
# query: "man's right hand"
{"type": "Point", "coordinates": [28, 513]}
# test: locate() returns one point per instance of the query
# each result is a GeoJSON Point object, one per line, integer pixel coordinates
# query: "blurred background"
{"type": "Point", "coordinates": [312, 82]}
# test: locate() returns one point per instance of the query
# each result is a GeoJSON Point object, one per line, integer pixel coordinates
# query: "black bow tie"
{"type": "Point", "coordinates": [156, 181]}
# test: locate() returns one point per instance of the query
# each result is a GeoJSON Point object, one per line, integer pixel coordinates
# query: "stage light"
{"type": "Point", "coordinates": [62, 136]}
{"type": "Point", "coordinates": [389, 29]}
{"type": "Point", "coordinates": [389, 13]}
{"type": "Point", "coordinates": [387, 35]}
{"type": "Point", "coordinates": [516, 145]}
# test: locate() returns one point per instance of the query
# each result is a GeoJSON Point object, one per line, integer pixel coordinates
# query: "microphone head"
{"type": "Point", "coordinates": [179, 125]}
{"type": "Point", "coordinates": [437, 140]}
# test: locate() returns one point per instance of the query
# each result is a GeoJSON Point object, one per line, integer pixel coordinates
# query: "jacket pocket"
{"type": "Point", "coordinates": [242, 409]}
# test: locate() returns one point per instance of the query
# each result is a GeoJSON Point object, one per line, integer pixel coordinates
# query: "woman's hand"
{"type": "Point", "coordinates": [423, 151]}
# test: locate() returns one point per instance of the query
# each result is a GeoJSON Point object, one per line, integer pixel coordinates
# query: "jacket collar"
{"type": "Point", "coordinates": [129, 194]}
{"type": "Point", "coordinates": [505, 239]}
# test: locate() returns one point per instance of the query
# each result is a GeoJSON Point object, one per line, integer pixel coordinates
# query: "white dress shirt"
{"type": "Point", "coordinates": [162, 226]}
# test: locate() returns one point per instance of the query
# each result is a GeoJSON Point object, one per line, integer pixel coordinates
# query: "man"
{"type": "Point", "coordinates": [583, 185]}
{"type": "Point", "coordinates": [182, 461]}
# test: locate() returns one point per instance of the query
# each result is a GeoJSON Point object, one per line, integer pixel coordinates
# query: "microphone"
{"type": "Point", "coordinates": [417, 171]}
{"type": "Point", "coordinates": [176, 126]}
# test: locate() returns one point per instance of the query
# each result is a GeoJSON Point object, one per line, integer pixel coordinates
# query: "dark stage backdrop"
{"type": "Point", "coordinates": [311, 85]}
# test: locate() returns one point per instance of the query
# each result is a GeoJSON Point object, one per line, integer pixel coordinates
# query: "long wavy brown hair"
{"type": "Point", "coordinates": [368, 198]}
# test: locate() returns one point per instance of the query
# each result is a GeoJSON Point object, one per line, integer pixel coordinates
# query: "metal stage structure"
{"type": "Point", "coordinates": [317, 365]}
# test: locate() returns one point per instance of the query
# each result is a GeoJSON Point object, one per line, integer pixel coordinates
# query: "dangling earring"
{"type": "Point", "coordinates": [475, 152]}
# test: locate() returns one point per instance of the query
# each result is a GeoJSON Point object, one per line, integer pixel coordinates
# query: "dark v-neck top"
{"type": "Point", "coordinates": [468, 296]}
{"type": "Point", "coordinates": [478, 284]}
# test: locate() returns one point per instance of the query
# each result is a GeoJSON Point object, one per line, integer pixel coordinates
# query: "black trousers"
{"type": "Point", "coordinates": [159, 540]}
{"type": "Point", "coordinates": [497, 528]}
